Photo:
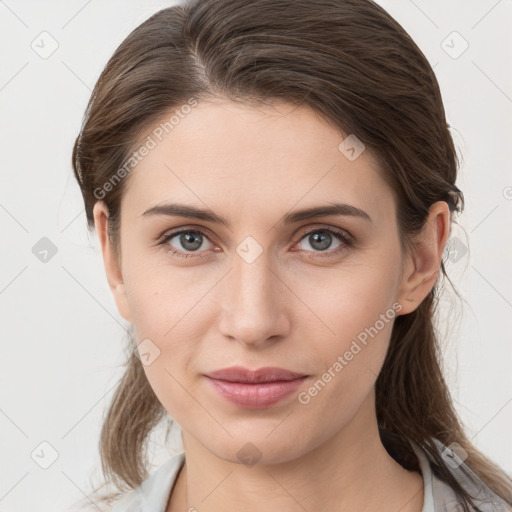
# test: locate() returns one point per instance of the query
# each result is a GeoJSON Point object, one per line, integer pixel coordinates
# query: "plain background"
{"type": "Point", "coordinates": [61, 334]}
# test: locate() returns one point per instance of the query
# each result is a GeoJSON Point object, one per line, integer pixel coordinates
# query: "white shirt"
{"type": "Point", "coordinates": [153, 493]}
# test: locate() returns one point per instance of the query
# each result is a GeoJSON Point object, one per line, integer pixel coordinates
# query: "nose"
{"type": "Point", "coordinates": [254, 304]}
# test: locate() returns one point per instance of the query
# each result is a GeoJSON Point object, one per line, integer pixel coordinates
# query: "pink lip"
{"type": "Point", "coordinates": [255, 389]}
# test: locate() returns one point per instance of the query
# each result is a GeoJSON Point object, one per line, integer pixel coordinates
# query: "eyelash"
{"type": "Point", "coordinates": [347, 242]}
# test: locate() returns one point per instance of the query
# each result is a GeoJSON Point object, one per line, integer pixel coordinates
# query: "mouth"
{"type": "Point", "coordinates": [255, 389]}
{"type": "Point", "coordinates": [244, 375]}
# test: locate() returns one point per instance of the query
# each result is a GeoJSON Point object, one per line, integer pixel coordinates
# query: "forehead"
{"type": "Point", "coordinates": [267, 158]}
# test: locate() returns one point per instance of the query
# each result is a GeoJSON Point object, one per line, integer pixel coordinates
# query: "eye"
{"type": "Point", "coordinates": [321, 239]}
{"type": "Point", "coordinates": [187, 242]}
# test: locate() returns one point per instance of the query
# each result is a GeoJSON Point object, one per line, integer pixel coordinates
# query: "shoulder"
{"type": "Point", "coordinates": [153, 493]}
{"type": "Point", "coordinates": [441, 497]}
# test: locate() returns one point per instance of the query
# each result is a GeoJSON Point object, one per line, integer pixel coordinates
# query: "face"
{"type": "Point", "coordinates": [266, 287]}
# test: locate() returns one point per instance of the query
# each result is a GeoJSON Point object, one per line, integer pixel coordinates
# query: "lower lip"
{"type": "Point", "coordinates": [256, 396]}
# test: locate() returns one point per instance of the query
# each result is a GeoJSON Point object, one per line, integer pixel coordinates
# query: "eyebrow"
{"type": "Point", "coordinates": [182, 210]}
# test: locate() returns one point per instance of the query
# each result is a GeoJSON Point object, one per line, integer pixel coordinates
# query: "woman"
{"type": "Point", "coordinates": [273, 185]}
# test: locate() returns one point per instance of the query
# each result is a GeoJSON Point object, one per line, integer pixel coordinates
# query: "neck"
{"type": "Point", "coordinates": [350, 471]}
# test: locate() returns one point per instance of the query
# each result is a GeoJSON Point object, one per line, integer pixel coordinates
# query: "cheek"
{"type": "Point", "coordinates": [354, 297]}
{"type": "Point", "coordinates": [358, 306]}
{"type": "Point", "coordinates": [348, 362]}
{"type": "Point", "coordinates": [159, 295]}
{"type": "Point", "coordinates": [162, 322]}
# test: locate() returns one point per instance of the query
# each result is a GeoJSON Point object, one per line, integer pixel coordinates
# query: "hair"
{"type": "Point", "coordinates": [355, 66]}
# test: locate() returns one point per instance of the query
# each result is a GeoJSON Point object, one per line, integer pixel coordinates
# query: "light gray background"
{"type": "Point", "coordinates": [61, 333]}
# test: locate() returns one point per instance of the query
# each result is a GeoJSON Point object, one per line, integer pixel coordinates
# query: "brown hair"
{"type": "Point", "coordinates": [356, 66]}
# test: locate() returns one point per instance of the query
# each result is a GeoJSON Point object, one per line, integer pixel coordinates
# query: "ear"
{"type": "Point", "coordinates": [422, 267]}
{"type": "Point", "coordinates": [110, 260]}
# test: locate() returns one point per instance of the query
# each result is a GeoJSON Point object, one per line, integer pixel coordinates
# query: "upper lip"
{"type": "Point", "coordinates": [265, 374]}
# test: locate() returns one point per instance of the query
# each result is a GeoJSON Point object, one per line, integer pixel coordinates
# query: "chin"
{"type": "Point", "coordinates": [258, 449]}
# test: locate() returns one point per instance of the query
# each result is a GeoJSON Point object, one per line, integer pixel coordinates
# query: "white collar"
{"type": "Point", "coordinates": [426, 472]}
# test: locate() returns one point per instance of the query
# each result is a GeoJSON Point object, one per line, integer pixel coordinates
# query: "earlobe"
{"type": "Point", "coordinates": [423, 266]}
{"type": "Point", "coordinates": [110, 260]}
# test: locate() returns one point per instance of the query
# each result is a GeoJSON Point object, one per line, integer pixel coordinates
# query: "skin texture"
{"type": "Point", "coordinates": [286, 308]}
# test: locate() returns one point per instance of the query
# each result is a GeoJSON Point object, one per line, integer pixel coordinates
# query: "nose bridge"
{"type": "Point", "coordinates": [252, 307]}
